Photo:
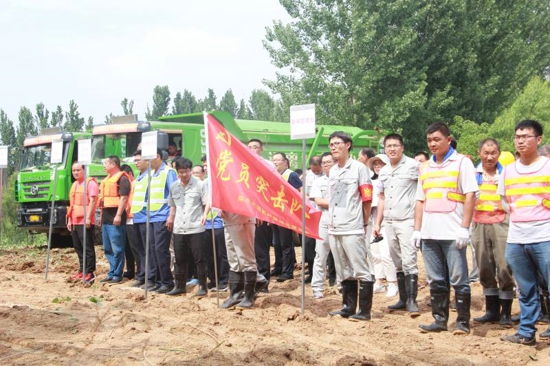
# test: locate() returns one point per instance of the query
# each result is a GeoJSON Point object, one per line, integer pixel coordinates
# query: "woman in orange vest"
{"type": "Point", "coordinates": [76, 218]}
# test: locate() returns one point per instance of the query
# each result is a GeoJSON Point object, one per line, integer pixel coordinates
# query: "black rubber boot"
{"type": "Point", "coordinates": [203, 284]}
{"type": "Point", "coordinates": [236, 287]}
{"type": "Point", "coordinates": [402, 285]}
{"type": "Point", "coordinates": [463, 302]}
{"type": "Point", "coordinates": [544, 317]}
{"type": "Point", "coordinates": [440, 312]}
{"type": "Point", "coordinates": [349, 299]}
{"type": "Point", "coordinates": [365, 301]}
{"type": "Point", "coordinates": [249, 286]}
{"type": "Point", "coordinates": [505, 313]}
{"type": "Point", "coordinates": [179, 286]}
{"type": "Point", "coordinates": [411, 282]}
{"type": "Point", "coordinates": [492, 307]}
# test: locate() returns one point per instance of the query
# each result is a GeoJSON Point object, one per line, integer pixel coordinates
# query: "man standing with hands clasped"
{"type": "Point", "coordinates": [349, 204]}
{"type": "Point", "coordinates": [445, 201]}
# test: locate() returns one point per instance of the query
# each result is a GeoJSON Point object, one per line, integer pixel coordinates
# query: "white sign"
{"type": "Point", "coordinates": [302, 121]}
{"type": "Point", "coordinates": [57, 152]}
{"type": "Point", "coordinates": [3, 157]}
{"type": "Point", "coordinates": [85, 151]}
{"type": "Point", "coordinates": [149, 145]}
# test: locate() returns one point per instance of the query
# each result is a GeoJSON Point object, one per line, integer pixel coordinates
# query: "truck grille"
{"type": "Point", "coordinates": [39, 189]}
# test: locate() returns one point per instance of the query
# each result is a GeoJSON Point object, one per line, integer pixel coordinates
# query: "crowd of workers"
{"type": "Point", "coordinates": [377, 212]}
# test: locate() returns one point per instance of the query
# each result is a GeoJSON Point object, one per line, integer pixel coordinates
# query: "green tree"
{"type": "Point", "coordinates": [8, 138]}
{"type": "Point", "coordinates": [26, 127]}
{"type": "Point", "coordinates": [401, 65]}
{"type": "Point", "coordinates": [57, 117]}
{"type": "Point", "coordinates": [243, 112]}
{"type": "Point", "coordinates": [11, 234]}
{"type": "Point", "coordinates": [228, 103]}
{"type": "Point", "coordinates": [185, 103]}
{"type": "Point", "coordinates": [161, 101]}
{"type": "Point", "coordinates": [262, 105]}
{"type": "Point", "coordinates": [109, 119]}
{"type": "Point", "coordinates": [90, 124]}
{"type": "Point", "coordinates": [127, 106]}
{"type": "Point", "coordinates": [73, 121]}
{"type": "Point", "coordinates": [209, 102]}
{"type": "Point", "coordinates": [42, 116]}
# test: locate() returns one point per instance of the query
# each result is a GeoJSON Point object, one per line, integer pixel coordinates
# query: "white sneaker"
{"type": "Point", "coordinates": [379, 289]}
{"type": "Point", "coordinates": [393, 290]}
{"type": "Point", "coordinates": [318, 294]}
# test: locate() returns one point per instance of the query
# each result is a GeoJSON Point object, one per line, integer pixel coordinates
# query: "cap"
{"type": "Point", "coordinates": [506, 157]}
{"type": "Point", "coordinates": [380, 157]}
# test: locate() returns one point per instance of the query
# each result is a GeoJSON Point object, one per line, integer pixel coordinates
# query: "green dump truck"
{"type": "Point", "coordinates": [34, 185]}
{"type": "Point", "coordinates": [187, 133]}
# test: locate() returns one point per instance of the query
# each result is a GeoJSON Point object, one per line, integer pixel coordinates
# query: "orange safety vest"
{"type": "Point", "coordinates": [108, 191]}
{"type": "Point", "coordinates": [488, 209]}
{"type": "Point", "coordinates": [76, 199]}
{"type": "Point", "coordinates": [528, 194]}
{"type": "Point", "coordinates": [440, 185]}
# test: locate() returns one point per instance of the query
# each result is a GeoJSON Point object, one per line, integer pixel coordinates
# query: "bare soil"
{"type": "Point", "coordinates": [55, 322]}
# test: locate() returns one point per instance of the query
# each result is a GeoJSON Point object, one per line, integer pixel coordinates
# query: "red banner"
{"type": "Point", "coordinates": [244, 183]}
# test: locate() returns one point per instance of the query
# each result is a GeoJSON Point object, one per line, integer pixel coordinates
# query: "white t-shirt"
{"type": "Point", "coordinates": [443, 225]}
{"type": "Point", "coordinates": [526, 232]}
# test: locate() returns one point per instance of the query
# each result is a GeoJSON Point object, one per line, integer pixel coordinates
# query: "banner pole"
{"type": "Point", "coordinates": [84, 228]}
{"type": "Point", "coordinates": [51, 220]}
{"type": "Point", "coordinates": [304, 226]}
{"type": "Point", "coordinates": [147, 231]}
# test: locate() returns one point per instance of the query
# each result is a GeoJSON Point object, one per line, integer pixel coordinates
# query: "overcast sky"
{"type": "Point", "coordinates": [99, 52]}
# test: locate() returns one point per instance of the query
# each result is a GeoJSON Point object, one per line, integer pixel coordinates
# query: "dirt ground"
{"type": "Point", "coordinates": [54, 322]}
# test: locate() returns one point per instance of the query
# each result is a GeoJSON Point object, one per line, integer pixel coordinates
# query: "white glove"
{"type": "Point", "coordinates": [416, 239]}
{"type": "Point", "coordinates": [462, 237]}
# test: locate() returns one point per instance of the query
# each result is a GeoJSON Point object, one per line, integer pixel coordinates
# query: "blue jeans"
{"type": "Point", "coordinates": [527, 261]}
{"type": "Point", "coordinates": [442, 257]}
{"type": "Point", "coordinates": [114, 240]}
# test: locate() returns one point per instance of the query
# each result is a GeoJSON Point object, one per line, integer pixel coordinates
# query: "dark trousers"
{"type": "Point", "coordinates": [262, 243]}
{"type": "Point", "coordinates": [221, 256]}
{"type": "Point", "coordinates": [310, 254]}
{"type": "Point", "coordinates": [288, 256]}
{"type": "Point", "coordinates": [278, 266]}
{"type": "Point", "coordinates": [159, 263]}
{"type": "Point", "coordinates": [130, 252]}
{"type": "Point", "coordinates": [139, 245]}
{"type": "Point", "coordinates": [184, 245]}
{"type": "Point", "coordinates": [78, 236]}
{"type": "Point", "coordinates": [331, 270]}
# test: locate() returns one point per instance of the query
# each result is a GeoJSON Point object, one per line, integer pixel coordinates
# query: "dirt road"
{"type": "Point", "coordinates": [54, 322]}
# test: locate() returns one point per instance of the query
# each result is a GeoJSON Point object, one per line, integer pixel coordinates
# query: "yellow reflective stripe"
{"type": "Point", "coordinates": [439, 173]}
{"type": "Point", "coordinates": [489, 197]}
{"type": "Point", "coordinates": [439, 184]}
{"type": "Point", "coordinates": [434, 195]}
{"type": "Point", "coordinates": [488, 208]}
{"type": "Point", "coordinates": [488, 187]}
{"type": "Point", "coordinates": [545, 203]}
{"type": "Point", "coordinates": [452, 196]}
{"type": "Point", "coordinates": [526, 203]}
{"type": "Point", "coordinates": [527, 190]}
{"type": "Point", "coordinates": [530, 179]}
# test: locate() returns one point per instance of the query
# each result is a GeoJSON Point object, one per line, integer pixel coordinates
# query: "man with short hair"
{"type": "Point", "coordinates": [263, 235]}
{"type": "Point", "coordinates": [525, 184]}
{"type": "Point", "coordinates": [137, 205]}
{"type": "Point", "coordinates": [113, 196]}
{"type": "Point", "coordinates": [319, 194]}
{"type": "Point", "coordinates": [77, 219]}
{"type": "Point", "coordinates": [189, 202]}
{"type": "Point", "coordinates": [349, 205]}
{"type": "Point", "coordinates": [314, 172]}
{"type": "Point", "coordinates": [397, 183]}
{"type": "Point", "coordinates": [445, 199]}
{"type": "Point", "coordinates": [198, 172]}
{"type": "Point", "coordinates": [421, 156]}
{"type": "Point", "coordinates": [489, 238]}
{"type": "Point", "coordinates": [159, 236]}
{"type": "Point", "coordinates": [283, 243]}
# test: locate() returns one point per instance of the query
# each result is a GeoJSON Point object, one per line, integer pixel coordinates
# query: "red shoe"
{"type": "Point", "coordinates": [76, 277]}
{"type": "Point", "coordinates": [90, 278]}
